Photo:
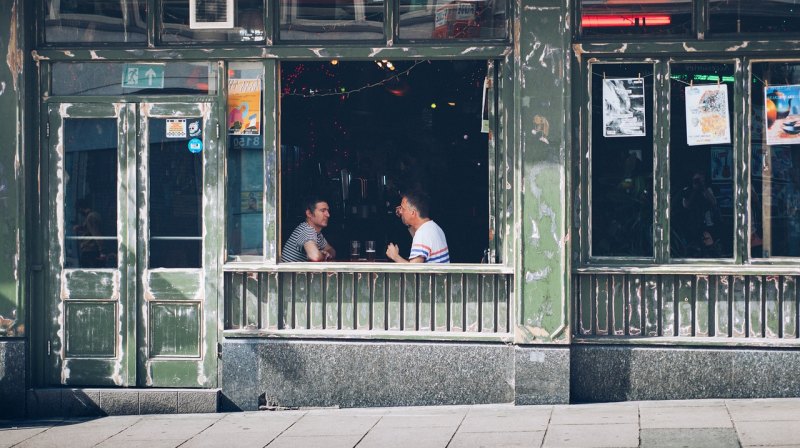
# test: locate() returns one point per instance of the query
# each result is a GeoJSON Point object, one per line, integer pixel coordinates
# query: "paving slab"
{"type": "Point", "coordinates": [158, 428]}
{"type": "Point", "coordinates": [520, 419]}
{"type": "Point", "coordinates": [249, 429]}
{"type": "Point", "coordinates": [415, 420]}
{"type": "Point", "coordinates": [11, 435]}
{"type": "Point", "coordinates": [768, 433]}
{"type": "Point", "coordinates": [497, 439]}
{"type": "Point", "coordinates": [80, 433]}
{"type": "Point", "coordinates": [681, 403]}
{"type": "Point", "coordinates": [341, 441]}
{"type": "Point", "coordinates": [764, 410]}
{"type": "Point", "coordinates": [418, 437]}
{"type": "Point", "coordinates": [332, 424]}
{"type": "Point", "coordinates": [689, 438]}
{"type": "Point", "coordinates": [592, 436]}
{"type": "Point", "coordinates": [685, 417]}
{"type": "Point", "coordinates": [588, 414]}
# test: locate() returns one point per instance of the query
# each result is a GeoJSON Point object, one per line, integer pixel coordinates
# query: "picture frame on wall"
{"type": "Point", "coordinates": [210, 14]}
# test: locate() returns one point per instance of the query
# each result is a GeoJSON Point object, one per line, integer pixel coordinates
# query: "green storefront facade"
{"type": "Point", "coordinates": [603, 276]}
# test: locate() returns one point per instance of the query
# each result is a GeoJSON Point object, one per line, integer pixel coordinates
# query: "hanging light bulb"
{"type": "Point", "coordinates": [334, 61]}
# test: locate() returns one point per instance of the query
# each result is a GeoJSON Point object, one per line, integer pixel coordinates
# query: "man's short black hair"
{"type": "Point", "coordinates": [311, 202]}
{"type": "Point", "coordinates": [420, 201]}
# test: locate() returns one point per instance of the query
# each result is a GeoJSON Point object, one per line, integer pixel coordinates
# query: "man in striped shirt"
{"type": "Point", "coordinates": [307, 242]}
{"type": "Point", "coordinates": [429, 244]}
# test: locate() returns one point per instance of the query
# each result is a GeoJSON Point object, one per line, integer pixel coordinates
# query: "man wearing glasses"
{"type": "Point", "coordinates": [429, 244]}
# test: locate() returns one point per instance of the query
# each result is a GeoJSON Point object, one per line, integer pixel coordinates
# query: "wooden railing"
{"type": "Point", "coordinates": [722, 306]}
{"type": "Point", "coordinates": [351, 299]}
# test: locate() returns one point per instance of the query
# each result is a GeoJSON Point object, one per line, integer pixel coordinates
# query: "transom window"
{"type": "Point", "coordinates": [260, 21]}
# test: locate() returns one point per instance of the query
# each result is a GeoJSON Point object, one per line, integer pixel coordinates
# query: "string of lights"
{"type": "Point", "coordinates": [345, 92]}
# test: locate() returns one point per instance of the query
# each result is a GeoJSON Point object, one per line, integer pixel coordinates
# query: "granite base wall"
{"type": "Point", "coordinates": [367, 374]}
{"type": "Point", "coordinates": [12, 379]}
{"type": "Point", "coordinates": [621, 373]}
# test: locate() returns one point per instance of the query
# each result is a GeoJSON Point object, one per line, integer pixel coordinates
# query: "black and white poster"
{"type": "Point", "coordinates": [623, 107]}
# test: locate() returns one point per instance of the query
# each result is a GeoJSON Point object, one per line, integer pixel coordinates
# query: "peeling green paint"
{"type": "Point", "coordinates": [542, 75]}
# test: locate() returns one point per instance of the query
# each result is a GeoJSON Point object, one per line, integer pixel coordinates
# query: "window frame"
{"type": "Point", "coordinates": [271, 19]}
{"type": "Point", "coordinates": [499, 159]}
{"type": "Point", "coordinates": [660, 127]}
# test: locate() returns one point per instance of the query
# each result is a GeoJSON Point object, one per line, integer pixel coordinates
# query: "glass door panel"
{"type": "Point", "coordinates": [90, 342]}
{"type": "Point", "coordinates": [175, 177]}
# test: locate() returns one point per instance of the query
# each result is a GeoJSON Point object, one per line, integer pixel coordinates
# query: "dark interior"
{"type": "Point", "coordinates": [358, 133]}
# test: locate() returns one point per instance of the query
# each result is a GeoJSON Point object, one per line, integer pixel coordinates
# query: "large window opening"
{"type": "Point", "coordinates": [622, 160]}
{"type": "Point", "coordinates": [701, 160]}
{"type": "Point", "coordinates": [359, 133]}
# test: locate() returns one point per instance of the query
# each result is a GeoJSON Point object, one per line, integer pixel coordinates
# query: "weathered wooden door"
{"type": "Point", "coordinates": [132, 264]}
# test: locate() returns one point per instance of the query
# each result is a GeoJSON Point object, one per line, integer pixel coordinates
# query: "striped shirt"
{"type": "Point", "coordinates": [430, 244]}
{"type": "Point", "coordinates": [293, 250]}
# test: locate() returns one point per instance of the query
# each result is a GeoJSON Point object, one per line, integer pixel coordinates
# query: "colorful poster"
{"type": "Point", "coordinates": [623, 107]}
{"type": "Point", "coordinates": [707, 117]}
{"type": "Point", "coordinates": [782, 111]}
{"type": "Point", "coordinates": [244, 107]}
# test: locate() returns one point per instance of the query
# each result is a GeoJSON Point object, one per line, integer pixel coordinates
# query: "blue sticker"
{"type": "Point", "coordinates": [195, 145]}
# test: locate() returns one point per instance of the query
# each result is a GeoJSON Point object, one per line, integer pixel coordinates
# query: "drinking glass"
{"type": "Point", "coordinates": [355, 249]}
{"type": "Point", "coordinates": [370, 249]}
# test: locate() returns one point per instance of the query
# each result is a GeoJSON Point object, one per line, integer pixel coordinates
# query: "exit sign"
{"type": "Point", "coordinates": [143, 76]}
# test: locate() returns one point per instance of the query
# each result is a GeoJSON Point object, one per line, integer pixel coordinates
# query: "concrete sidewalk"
{"type": "Point", "coordinates": [696, 423]}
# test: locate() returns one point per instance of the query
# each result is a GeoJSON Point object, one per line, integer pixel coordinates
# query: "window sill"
{"type": "Point", "coordinates": [368, 335]}
{"type": "Point", "coordinates": [423, 268]}
{"type": "Point", "coordinates": [699, 269]}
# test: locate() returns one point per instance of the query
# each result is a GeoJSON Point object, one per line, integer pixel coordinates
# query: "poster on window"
{"type": "Point", "coordinates": [782, 112]}
{"type": "Point", "coordinates": [707, 117]}
{"type": "Point", "coordinates": [623, 107]}
{"type": "Point", "coordinates": [244, 107]}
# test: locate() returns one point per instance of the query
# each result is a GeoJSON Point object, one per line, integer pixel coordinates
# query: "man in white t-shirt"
{"type": "Point", "coordinates": [429, 244]}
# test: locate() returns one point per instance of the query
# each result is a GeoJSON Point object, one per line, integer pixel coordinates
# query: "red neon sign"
{"type": "Point", "coordinates": [621, 21]}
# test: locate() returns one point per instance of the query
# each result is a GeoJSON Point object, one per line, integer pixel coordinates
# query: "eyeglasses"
{"type": "Point", "coordinates": [400, 207]}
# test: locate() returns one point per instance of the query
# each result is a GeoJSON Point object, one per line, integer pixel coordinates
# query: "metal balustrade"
{"type": "Point", "coordinates": [373, 302]}
{"type": "Point", "coordinates": [712, 307]}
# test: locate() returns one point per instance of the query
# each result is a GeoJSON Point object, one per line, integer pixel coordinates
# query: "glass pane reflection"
{"type": "Point", "coordinates": [775, 161]}
{"type": "Point", "coordinates": [701, 174]}
{"type": "Point", "coordinates": [457, 19]}
{"type": "Point", "coordinates": [90, 193]}
{"type": "Point", "coordinates": [248, 22]}
{"type": "Point", "coordinates": [622, 166]}
{"type": "Point", "coordinates": [747, 16]}
{"type": "Point", "coordinates": [657, 17]}
{"type": "Point", "coordinates": [90, 21]}
{"type": "Point", "coordinates": [331, 20]}
{"type": "Point", "coordinates": [245, 169]}
{"type": "Point", "coordinates": [105, 78]}
{"type": "Point", "coordinates": [175, 196]}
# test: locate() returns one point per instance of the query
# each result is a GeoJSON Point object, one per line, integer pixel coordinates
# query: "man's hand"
{"type": "Point", "coordinates": [393, 252]}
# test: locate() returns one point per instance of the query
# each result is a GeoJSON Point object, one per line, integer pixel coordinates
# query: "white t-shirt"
{"type": "Point", "coordinates": [430, 244]}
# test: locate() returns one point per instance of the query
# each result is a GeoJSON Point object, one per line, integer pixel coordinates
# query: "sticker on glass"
{"type": "Point", "coordinates": [195, 129]}
{"type": "Point", "coordinates": [176, 128]}
{"type": "Point", "coordinates": [195, 145]}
